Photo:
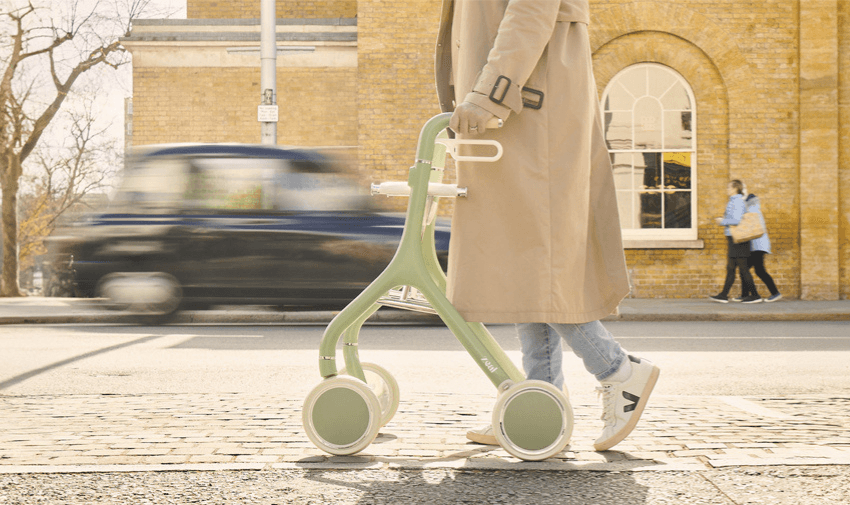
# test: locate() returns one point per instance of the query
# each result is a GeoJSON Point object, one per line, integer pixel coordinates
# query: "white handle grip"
{"type": "Point", "coordinates": [402, 189]}
{"type": "Point", "coordinates": [453, 144]}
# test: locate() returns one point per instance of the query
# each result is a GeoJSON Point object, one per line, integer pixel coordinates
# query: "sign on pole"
{"type": "Point", "coordinates": [267, 113]}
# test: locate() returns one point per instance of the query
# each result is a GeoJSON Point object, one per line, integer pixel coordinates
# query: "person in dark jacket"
{"type": "Point", "coordinates": [738, 254]}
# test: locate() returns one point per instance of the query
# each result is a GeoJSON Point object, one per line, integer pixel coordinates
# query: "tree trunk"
{"type": "Point", "coordinates": [9, 276]}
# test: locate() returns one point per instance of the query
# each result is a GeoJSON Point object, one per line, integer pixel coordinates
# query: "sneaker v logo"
{"type": "Point", "coordinates": [632, 398]}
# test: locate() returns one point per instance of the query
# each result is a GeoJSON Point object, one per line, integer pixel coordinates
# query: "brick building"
{"type": "Point", "coordinates": [695, 93]}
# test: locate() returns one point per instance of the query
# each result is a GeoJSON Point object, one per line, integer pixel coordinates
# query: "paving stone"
{"type": "Point", "coordinates": [169, 459]}
{"type": "Point", "coordinates": [211, 458]}
{"type": "Point", "coordinates": [257, 458]}
{"type": "Point", "coordinates": [694, 453]}
{"type": "Point", "coordinates": [237, 451]}
{"type": "Point", "coordinates": [706, 446]}
{"type": "Point", "coordinates": [148, 451]}
{"type": "Point", "coordinates": [118, 460]}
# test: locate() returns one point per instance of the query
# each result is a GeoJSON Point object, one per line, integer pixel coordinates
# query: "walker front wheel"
{"type": "Point", "coordinates": [533, 420]}
{"type": "Point", "coordinates": [341, 415]}
{"type": "Point", "coordinates": [384, 386]}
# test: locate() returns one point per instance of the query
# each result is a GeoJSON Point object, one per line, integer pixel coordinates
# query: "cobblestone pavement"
{"type": "Point", "coordinates": [786, 485]}
{"type": "Point", "coordinates": [73, 433]}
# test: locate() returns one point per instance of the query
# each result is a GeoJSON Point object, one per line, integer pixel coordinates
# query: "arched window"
{"type": "Point", "coordinates": [650, 129]}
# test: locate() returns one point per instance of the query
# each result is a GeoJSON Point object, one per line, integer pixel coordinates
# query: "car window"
{"type": "Point", "coordinates": [308, 186]}
{"type": "Point", "coordinates": [157, 182]}
{"type": "Point", "coordinates": [231, 183]}
{"type": "Point", "coordinates": [240, 183]}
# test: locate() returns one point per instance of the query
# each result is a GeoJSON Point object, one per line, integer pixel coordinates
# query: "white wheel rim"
{"type": "Point", "coordinates": [341, 385]}
{"type": "Point", "coordinates": [548, 392]}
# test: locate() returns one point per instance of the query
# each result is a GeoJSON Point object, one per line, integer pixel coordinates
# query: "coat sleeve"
{"type": "Point", "coordinates": [734, 212]}
{"type": "Point", "coordinates": [523, 34]}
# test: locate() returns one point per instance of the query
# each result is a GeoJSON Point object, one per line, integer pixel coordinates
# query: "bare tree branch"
{"type": "Point", "coordinates": [65, 178]}
{"type": "Point", "coordinates": [67, 48]}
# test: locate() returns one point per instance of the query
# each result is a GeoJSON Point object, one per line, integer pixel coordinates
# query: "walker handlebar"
{"type": "Point", "coordinates": [402, 189]}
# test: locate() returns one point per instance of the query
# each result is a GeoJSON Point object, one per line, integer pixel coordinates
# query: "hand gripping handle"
{"type": "Point", "coordinates": [452, 145]}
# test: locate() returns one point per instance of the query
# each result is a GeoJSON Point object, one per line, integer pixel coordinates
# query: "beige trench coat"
{"type": "Point", "coordinates": [538, 238]}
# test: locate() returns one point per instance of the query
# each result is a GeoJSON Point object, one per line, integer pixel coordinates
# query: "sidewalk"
{"type": "Point", "coordinates": [239, 431]}
{"type": "Point", "coordinates": [687, 449]}
{"type": "Point", "coordinates": [39, 310]}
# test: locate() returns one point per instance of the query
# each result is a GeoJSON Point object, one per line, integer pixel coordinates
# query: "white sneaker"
{"type": "Point", "coordinates": [623, 402]}
{"type": "Point", "coordinates": [482, 436]}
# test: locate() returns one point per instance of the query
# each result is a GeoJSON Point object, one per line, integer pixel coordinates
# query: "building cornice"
{"type": "Point", "coordinates": [236, 42]}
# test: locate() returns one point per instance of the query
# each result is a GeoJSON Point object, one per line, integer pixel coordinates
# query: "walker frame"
{"type": "Point", "coordinates": [532, 420]}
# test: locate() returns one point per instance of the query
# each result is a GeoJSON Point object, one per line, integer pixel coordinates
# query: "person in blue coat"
{"type": "Point", "coordinates": [758, 248]}
{"type": "Point", "coordinates": [738, 254]}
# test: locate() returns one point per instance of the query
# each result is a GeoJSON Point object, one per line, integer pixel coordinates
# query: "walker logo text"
{"type": "Point", "coordinates": [490, 366]}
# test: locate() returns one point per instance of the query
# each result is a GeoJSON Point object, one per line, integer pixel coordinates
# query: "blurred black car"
{"type": "Point", "coordinates": [193, 226]}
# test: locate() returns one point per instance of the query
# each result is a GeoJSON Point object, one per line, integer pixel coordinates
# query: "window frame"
{"type": "Point", "coordinates": [667, 236]}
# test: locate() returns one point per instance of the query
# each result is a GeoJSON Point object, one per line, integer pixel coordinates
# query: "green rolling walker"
{"type": "Point", "coordinates": [532, 420]}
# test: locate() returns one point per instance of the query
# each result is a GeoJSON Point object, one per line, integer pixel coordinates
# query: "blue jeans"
{"type": "Point", "coordinates": [542, 355]}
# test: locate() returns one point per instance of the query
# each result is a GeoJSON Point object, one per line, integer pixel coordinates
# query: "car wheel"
{"type": "Point", "coordinates": [141, 293]}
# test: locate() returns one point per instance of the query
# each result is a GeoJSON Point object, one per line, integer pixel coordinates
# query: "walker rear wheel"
{"type": "Point", "coordinates": [384, 386]}
{"type": "Point", "coordinates": [341, 415]}
{"type": "Point", "coordinates": [533, 420]}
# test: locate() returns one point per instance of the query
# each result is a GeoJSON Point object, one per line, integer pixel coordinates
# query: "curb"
{"type": "Point", "coordinates": [217, 317]}
{"type": "Point", "coordinates": [670, 465]}
{"type": "Point", "coordinates": [742, 317]}
{"type": "Point", "coordinates": [86, 311]}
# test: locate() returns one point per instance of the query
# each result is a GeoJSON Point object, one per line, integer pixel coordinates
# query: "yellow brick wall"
{"type": "Point", "coordinates": [819, 140]}
{"type": "Point", "coordinates": [239, 9]}
{"type": "Point", "coordinates": [844, 144]}
{"type": "Point", "coordinates": [740, 58]}
{"type": "Point", "coordinates": [669, 272]}
{"type": "Point", "coordinates": [220, 105]}
{"type": "Point", "coordinates": [395, 84]}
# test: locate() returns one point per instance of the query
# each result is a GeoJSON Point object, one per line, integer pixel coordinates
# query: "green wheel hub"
{"type": "Point", "coordinates": [340, 416]}
{"type": "Point", "coordinates": [532, 420]}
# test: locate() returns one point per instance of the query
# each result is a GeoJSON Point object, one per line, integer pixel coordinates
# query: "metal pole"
{"type": "Point", "coordinates": [267, 112]}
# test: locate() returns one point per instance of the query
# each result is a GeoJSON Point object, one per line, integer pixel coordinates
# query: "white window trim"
{"type": "Point", "coordinates": [652, 237]}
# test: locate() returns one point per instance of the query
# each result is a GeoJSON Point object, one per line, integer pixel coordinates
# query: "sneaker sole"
{"type": "Point", "coordinates": [718, 301]}
{"type": "Point", "coordinates": [478, 438]}
{"type": "Point", "coordinates": [644, 398]}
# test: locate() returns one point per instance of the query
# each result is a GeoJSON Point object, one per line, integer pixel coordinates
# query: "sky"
{"type": "Point", "coordinates": [107, 87]}
{"type": "Point", "coordinates": [110, 87]}
{"type": "Point", "coordinates": [120, 85]}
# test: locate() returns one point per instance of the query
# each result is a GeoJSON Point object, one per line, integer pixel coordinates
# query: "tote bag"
{"type": "Point", "coordinates": [749, 228]}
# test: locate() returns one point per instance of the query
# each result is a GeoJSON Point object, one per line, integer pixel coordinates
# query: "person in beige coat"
{"type": "Point", "coordinates": [537, 242]}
